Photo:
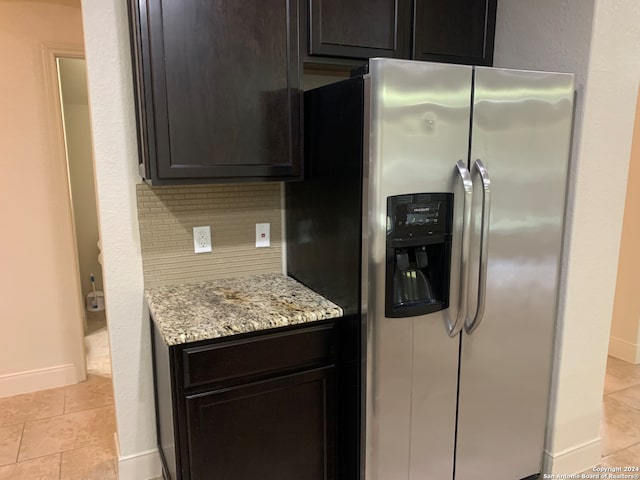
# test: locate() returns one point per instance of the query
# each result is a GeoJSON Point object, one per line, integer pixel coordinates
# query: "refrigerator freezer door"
{"type": "Point", "coordinates": [521, 132]}
{"type": "Point", "coordinates": [418, 129]}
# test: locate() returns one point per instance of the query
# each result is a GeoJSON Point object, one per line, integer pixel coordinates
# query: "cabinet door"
{"type": "Point", "coordinates": [222, 82]}
{"type": "Point", "coordinates": [359, 28]}
{"type": "Point", "coordinates": [277, 429]}
{"type": "Point", "coordinates": [457, 31]}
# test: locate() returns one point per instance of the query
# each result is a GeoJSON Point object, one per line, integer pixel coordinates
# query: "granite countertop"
{"type": "Point", "coordinates": [219, 308]}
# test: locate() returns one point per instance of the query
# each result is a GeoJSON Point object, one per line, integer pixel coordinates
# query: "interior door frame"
{"type": "Point", "coordinates": [50, 54]}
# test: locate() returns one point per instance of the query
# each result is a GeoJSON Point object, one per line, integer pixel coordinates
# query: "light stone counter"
{"type": "Point", "coordinates": [220, 308]}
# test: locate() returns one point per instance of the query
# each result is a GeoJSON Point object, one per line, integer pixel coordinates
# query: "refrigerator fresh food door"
{"type": "Point", "coordinates": [418, 125]}
{"type": "Point", "coordinates": [521, 132]}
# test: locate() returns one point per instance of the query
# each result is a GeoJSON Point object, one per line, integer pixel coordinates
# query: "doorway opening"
{"type": "Point", "coordinates": [620, 425]}
{"type": "Point", "coordinates": [74, 103]}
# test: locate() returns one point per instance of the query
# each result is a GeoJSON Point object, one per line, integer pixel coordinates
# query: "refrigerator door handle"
{"type": "Point", "coordinates": [484, 247]}
{"type": "Point", "coordinates": [467, 184]}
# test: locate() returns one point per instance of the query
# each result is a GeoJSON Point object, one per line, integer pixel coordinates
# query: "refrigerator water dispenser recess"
{"type": "Point", "coordinates": [418, 262]}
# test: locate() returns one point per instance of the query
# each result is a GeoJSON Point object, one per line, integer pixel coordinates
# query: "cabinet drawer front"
{"type": "Point", "coordinates": [255, 356]}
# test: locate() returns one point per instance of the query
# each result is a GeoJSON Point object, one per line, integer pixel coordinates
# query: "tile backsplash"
{"type": "Point", "coordinates": [167, 216]}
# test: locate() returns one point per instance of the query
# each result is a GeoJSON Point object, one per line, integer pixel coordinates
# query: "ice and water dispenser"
{"type": "Point", "coordinates": [418, 260]}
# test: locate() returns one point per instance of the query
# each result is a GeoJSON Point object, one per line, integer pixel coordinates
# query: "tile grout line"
{"type": "Point", "coordinates": [622, 390]}
{"type": "Point", "coordinates": [627, 405]}
{"type": "Point", "coordinates": [608, 396]}
{"type": "Point", "coordinates": [64, 402]}
{"type": "Point", "coordinates": [20, 443]}
{"type": "Point", "coordinates": [70, 413]}
{"type": "Point", "coordinates": [92, 444]}
{"type": "Point", "coordinates": [48, 400]}
{"type": "Point", "coordinates": [621, 450]}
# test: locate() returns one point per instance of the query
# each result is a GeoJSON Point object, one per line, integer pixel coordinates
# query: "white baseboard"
{"type": "Point", "coordinates": [627, 351]}
{"type": "Point", "coordinates": [141, 466]}
{"type": "Point", "coordinates": [41, 379]}
{"type": "Point", "coordinates": [573, 460]}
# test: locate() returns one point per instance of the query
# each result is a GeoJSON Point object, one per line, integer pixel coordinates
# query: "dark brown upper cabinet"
{"type": "Point", "coordinates": [217, 89]}
{"type": "Point", "coordinates": [455, 31]}
{"type": "Point", "coordinates": [359, 28]}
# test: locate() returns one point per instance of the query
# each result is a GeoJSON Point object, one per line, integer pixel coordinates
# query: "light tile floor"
{"type": "Point", "coordinates": [620, 425]}
{"type": "Point", "coordinates": [59, 434]}
{"type": "Point", "coordinates": [68, 433]}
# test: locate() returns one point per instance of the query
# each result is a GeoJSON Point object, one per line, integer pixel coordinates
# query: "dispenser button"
{"type": "Point", "coordinates": [402, 259]}
{"type": "Point", "coordinates": [421, 259]}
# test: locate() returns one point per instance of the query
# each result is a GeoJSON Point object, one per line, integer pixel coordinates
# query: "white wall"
{"type": "Point", "coordinates": [624, 342]}
{"type": "Point", "coordinates": [114, 139]}
{"type": "Point", "coordinates": [40, 305]}
{"type": "Point", "coordinates": [560, 35]}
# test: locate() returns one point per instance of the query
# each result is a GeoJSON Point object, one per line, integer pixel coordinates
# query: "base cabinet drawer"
{"type": "Point", "coordinates": [272, 430]}
{"type": "Point", "coordinates": [281, 404]}
{"type": "Point", "coordinates": [263, 355]}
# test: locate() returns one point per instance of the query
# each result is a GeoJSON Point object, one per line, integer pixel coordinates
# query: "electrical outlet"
{"type": "Point", "coordinates": [202, 239]}
{"type": "Point", "coordinates": [263, 235]}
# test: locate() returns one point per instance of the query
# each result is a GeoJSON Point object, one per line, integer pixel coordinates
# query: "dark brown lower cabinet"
{"type": "Point", "coordinates": [275, 405]}
{"type": "Point", "coordinates": [275, 429]}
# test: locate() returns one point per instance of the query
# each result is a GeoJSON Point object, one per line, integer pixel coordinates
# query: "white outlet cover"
{"type": "Point", "coordinates": [263, 235]}
{"type": "Point", "coordinates": [202, 239]}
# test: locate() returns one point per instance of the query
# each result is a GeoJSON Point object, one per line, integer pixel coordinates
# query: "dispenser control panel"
{"type": "Point", "coordinates": [418, 253]}
{"type": "Point", "coordinates": [422, 214]}
{"type": "Point", "coordinates": [417, 215]}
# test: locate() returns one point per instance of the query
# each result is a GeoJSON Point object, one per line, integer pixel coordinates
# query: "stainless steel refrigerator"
{"type": "Point", "coordinates": [432, 210]}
